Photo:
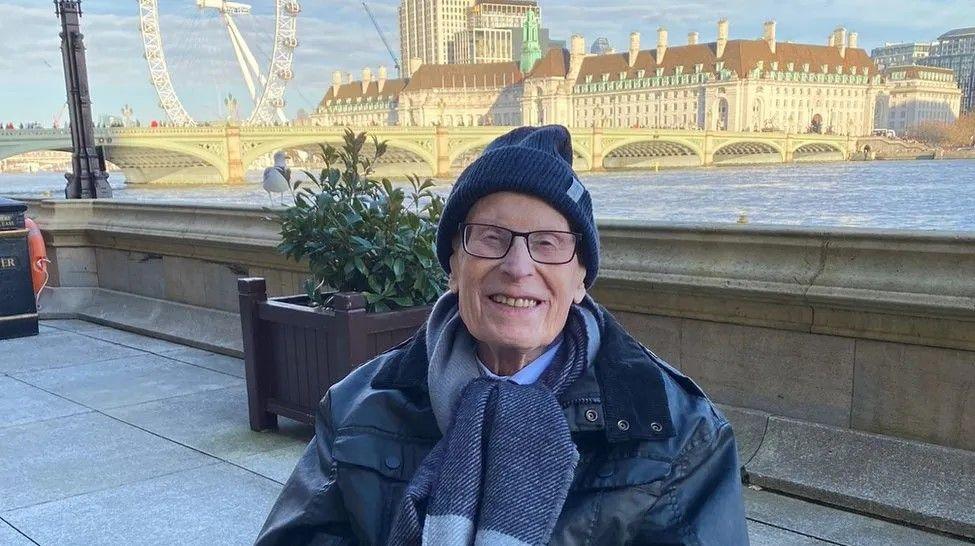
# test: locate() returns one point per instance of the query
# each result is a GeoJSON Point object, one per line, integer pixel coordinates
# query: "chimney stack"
{"type": "Point", "coordinates": [415, 64]}
{"type": "Point", "coordinates": [840, 40]}
{"type": "Point", "coordinates": [366, 79]}
{"type": "Point", "coordinates": [382, 78]}
{"type": "Point", "coordinates": [692, 38]}
{"type": "Point", "coordinates": [348, 77]}
{"type": "Point", "coordinates": [336, 82]}
{"type": "Point", "coordinates": [769, 34]}
{"type": "Point", "coordinates": [577, 51]}
{"type": "Point", "coordinates": [854, 40]}
{"type": "Point", "coordinates": [722, 38]}
{"type": "Point", "coordinates": [634, 48]}
{"type": "Point", "coordinates": [661, 44]}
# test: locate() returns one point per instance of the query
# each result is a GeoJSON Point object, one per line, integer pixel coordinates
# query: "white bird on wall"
{"type": "Point", "coordinates": [277, 179]}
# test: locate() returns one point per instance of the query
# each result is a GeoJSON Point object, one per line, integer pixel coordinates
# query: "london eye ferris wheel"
{"type": "Point", "coordinates": [265, 82]}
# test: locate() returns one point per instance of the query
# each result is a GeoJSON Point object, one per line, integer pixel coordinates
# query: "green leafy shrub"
{"type": "Point", "coordinates": [363, 235]}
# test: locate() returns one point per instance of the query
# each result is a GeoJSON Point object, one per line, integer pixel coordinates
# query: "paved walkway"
{"type": "Point", "coordinates": [108, 437]}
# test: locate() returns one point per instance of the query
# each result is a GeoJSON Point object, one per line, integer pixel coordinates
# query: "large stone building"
{"type": "Point", "coordinates": [917, 94]}
{"type": "Point", "coordinates": [955, 50]}
{"type": "Point", "coordinates": [363, 103]}
{"type": "Point", "coordinates": [491, 25]}
{"type": "Point", "coordinates": [458, 95]}
{"type": "Point", "coordinates": [903, 54]}
{"type": "Point", "coordinates": [427, 29]}
{"type": "Point", "coordinates": [739, 85]}
{"type": "Point", "coordinates": [463, 95]}
{"type": "Point", "coordinates": [466, 31]}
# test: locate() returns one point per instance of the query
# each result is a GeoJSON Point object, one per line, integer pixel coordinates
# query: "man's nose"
{"type": "Point", "coordinates": [518, 262]}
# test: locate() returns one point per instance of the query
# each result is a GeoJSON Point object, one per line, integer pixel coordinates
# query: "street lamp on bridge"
{"type": "Point", "coordinates": [88, 179]}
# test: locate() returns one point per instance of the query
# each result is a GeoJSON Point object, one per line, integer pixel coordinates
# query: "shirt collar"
{"type": "Point", "coordinates": [531, 372]}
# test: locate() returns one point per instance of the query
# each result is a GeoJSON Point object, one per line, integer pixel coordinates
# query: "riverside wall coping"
{"type": "Point", "coordinates": [892, 285]}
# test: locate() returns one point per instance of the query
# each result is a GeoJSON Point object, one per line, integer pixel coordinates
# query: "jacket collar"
{"type": "Point", "coordinates": [625, 381]}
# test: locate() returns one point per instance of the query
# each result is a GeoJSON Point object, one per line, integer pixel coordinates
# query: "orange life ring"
{"type": "Point", "coordinates": [38, 256]}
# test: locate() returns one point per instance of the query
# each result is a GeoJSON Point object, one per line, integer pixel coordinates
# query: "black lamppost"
{"type": "Point", "coordinates": [88, 179]}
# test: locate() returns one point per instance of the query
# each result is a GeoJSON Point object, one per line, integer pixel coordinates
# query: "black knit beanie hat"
{"type": "Point", "coordinates": [535, 161]}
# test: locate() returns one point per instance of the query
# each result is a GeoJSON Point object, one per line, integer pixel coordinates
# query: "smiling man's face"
{"type": "Point", "coordinates": [515, 306]}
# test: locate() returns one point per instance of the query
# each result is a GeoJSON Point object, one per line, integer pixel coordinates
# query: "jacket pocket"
{"type": "Point", "coordinates": [609, 499]}
{"type": "Point", "coordinates": [391, 456]}
{"type": "Point", "coordinates": [373, 470]}
{"type": "Point", "coordinates": [613, 473]}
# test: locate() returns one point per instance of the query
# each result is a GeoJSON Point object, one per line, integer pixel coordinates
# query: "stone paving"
{"type": "Point", "coordinates": [108, 437]}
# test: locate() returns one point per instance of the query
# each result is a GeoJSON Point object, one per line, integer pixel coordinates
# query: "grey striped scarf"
{"type": "Point", "coordinates": [502, 471]}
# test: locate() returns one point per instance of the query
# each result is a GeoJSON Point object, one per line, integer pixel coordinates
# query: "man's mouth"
{"type": "Point", "coordinates": [514, 302]}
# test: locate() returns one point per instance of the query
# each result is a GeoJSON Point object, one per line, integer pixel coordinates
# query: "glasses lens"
{"type": "Point", "coordinates": [552, 247]}
{"type": "Point", "coordinates": [486, 241]}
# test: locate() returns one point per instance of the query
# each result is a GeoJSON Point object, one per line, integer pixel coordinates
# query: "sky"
{"type": "Point", "coordinates": [337, 35]}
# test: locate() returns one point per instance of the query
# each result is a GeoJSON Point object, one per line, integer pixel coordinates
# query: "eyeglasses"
{"type": "Point", "coordinates": [545, 247]}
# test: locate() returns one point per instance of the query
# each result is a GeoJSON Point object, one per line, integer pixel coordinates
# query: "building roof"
{"type": "Point", "coordinates": [529, 3]}
{"type": "Point", "coordinates": [914, 71]}
{"type": "Point", "coordinates": [958, 33]}
{"type": "Point", "coordinates": [354, 90]}
{"type": "Point", "coordinates": [471, 76]}
{"type": "Point", "coordinates": [740, 56]}
{"type": "Point", "coordinates": [554, 64]}
{"type": "Point", "coordinates": [434, 76]}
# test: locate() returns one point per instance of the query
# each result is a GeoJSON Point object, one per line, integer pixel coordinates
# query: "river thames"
{"type": "Point", "coordinates": [914, 195]}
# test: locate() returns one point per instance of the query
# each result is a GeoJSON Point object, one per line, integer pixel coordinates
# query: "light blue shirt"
{"type": "Point", "coordinates": [530, 373]}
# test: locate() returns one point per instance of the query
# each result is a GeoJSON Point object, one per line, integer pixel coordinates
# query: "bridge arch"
{"type": "Point", "coordinates": [145, 162]}
{"type": "Point", "coordinates": [406, 151]}
{"type": "Point", "coordinates": [818, 151]}
{"type": "Point", "coordinates": [650, 152]}
{"type": "Point", "coordinates": [8, 151]}
{"type": "Point", "coordinates": [464, 154]}
{"type": "Point", "coordinates": [745, 152]}
{"type": "Point", "coordinates": [157, 158]}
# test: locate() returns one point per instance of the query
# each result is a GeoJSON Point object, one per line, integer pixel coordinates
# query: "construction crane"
{"type": "Point", "coordinates": [382, 37]}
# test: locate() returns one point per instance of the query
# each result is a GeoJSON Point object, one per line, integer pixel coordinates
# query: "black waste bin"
{"type": "Point", "coordinates": [18, 309]}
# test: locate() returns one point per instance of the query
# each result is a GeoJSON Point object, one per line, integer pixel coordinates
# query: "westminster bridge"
{"type": "Point", "coordinates": [226, 152]}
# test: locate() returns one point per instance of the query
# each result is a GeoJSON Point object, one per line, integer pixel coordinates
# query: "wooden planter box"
{"type": "Point", "coordinates": [293, 353]}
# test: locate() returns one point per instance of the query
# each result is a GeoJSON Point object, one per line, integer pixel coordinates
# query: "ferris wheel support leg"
{"type": "Point", "coordinates": [245, 51]}
{"type": "Point", "coordinates": [236, 41]}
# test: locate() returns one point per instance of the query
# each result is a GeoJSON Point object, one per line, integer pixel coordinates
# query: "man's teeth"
{"type": "Point", "coordinates": [514, 302]}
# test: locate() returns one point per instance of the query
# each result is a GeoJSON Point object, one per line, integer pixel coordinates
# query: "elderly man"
{"type": "Point", "coordinates": [523, 413]}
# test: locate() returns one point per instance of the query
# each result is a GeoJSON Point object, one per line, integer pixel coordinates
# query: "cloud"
{"type": "Point", "coordinates": [339, 36]}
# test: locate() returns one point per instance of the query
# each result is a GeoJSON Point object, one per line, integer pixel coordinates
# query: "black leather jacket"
{"type": "Point", "coordinates": [657, 465]}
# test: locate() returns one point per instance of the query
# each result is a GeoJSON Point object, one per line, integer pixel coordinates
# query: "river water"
{"type": "Point", "coordinates": [916, 195]}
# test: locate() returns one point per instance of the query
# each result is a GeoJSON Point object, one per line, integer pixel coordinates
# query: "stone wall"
{"type": "Point", "coordinates": [851, 328]}
{"type": "Point", "coordinates": [870, 330]}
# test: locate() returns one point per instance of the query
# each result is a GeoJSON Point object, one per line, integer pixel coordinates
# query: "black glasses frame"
{"type": "Point", "coordinates": [464, 233]}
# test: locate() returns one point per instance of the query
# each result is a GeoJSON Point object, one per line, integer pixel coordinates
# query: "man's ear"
{"type": "Point", "coordinates": [452, 282]}
{"type": "Point", "coordinates": [452, 276]}
{"type": "Point", "coordinates": [580, 289]}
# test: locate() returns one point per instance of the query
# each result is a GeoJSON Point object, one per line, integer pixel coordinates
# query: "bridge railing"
{"type": "Point", "coordinates": [14, 134]}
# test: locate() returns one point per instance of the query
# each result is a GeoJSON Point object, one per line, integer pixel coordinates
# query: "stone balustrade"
{"type": "Point", "coordinates": [868, 330]}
